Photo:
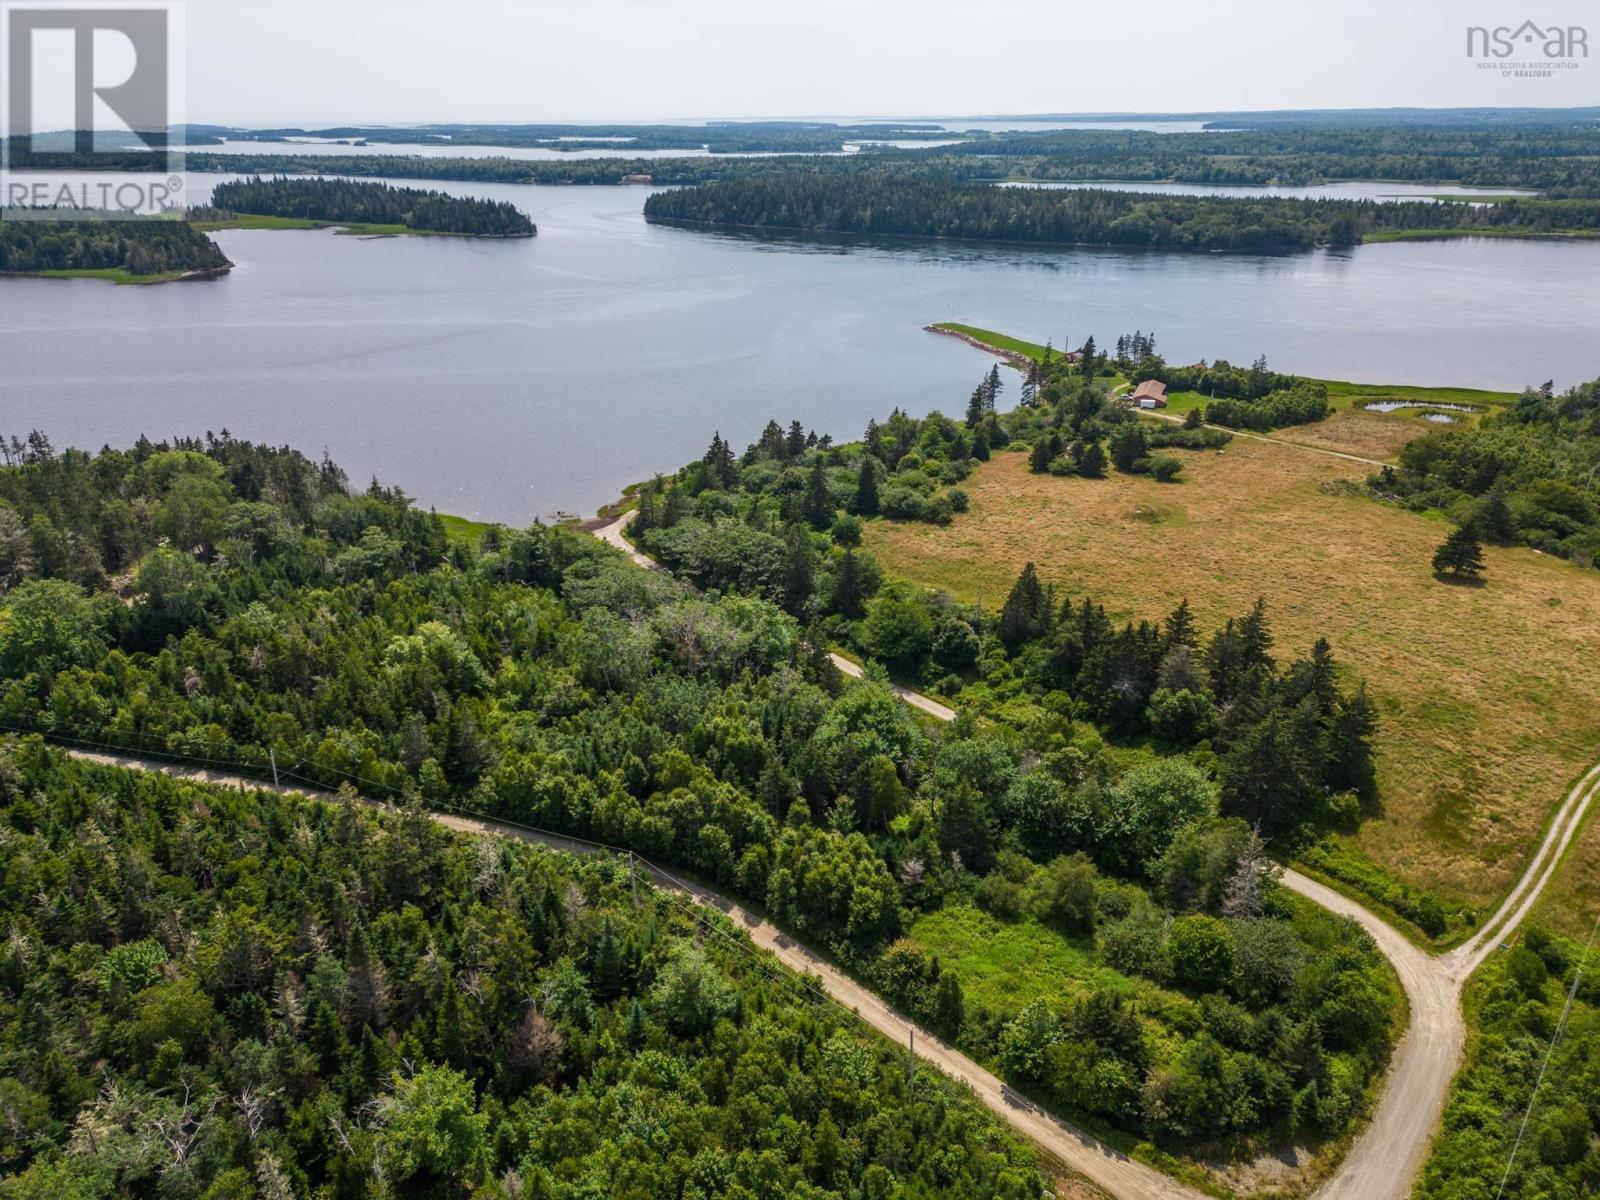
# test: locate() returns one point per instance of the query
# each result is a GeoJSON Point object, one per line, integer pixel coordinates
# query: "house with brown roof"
{"type": "Point", "coordinates": [1150, 394]}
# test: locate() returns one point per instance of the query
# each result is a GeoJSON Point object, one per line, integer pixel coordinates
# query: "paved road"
{"type": "Point", "coordinates": [1384, 1161]}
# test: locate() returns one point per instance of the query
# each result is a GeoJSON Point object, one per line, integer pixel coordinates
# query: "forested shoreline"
{"type": "Point", "coordinates": [1561, 159]}
{"type": "Point", "coordinates": [338, 200]}
{"type": "Point", "coordinates": [221, 600]}
{"type": "Point", "coordinates": [872, 207]}
{"type": "Point", "coordinates": [140, 248]}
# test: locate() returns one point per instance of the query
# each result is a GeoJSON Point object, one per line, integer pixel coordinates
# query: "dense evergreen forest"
{"type": "Point", "coordinates": [872, 206]}
{"type": "Point", "coordinates": [225, 601]}
{"type": "Point", "coordinates": [146, 247]}
{"type": "Point", "coordinates": [1525, 475]}
{"type": "Point", "coordinates": [246, 995]}
{"type": "Point", "coordinates": [1543, 152]}
{"type": "Point", "coordinates": [1558, 158]}
{"type": "Point", "coordinates": [372, 203]}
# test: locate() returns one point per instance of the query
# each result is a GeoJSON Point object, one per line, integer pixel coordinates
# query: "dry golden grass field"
{"type": "Point", "coordinates": [1490, 696]}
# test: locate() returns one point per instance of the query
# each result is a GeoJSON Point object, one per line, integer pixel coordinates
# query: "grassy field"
{"type": "Point", "coordinates": [1005, 965]}
{"type": "Point", "coordinates": [114, 275]}
{"type": "Point", "coordinates": [365, 229]}
{"type": "Point", "coordinates": [1489, 231]}
{"type": "Point", "coordinates": [1490, 696]}
{"type": "Point", "coordinates": [999, 341]}
{"type": "Point", "coordinates": [464, 532]}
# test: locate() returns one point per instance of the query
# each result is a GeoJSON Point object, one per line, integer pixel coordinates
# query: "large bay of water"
{"type": "Point", "coordinates": [509, 380]}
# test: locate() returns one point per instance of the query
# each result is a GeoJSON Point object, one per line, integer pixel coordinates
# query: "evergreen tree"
{"type": "Point", "coordinates": [771, 443]}
{"type": "Point", "coordinates": [796, 443]}
{"type": "Point", "coordinates": [976, 406]}
{"type": "Point", "coordinates": [849, 588]}
{"type": "Point", "coordinates": [819, 500]}
{"type": "Point", "coordinates": [1021, 615]}
{"type": "Point", "coordinates": [1179, 629]}
{"type": "Point", "coordinates": [1129, 446]}
{"type": "Point", "coordinates": [1044, 451]}
{"type": "Point", "coordinates": [949, 1006]}
{"type": "Point", "coordinates": [1255, 638]}
{"type": "Point", "coordinates": [1093, 461]}
{"type": "Point", "coordinates": [721, 469]}
{"type": "Point", "coordinates": [799, 572]}
{"type": "Point", "coordinates": [1460, 555]}
{"type": "Point", "coordinates": [980, 443]}
{"type": "Point", "coordinates": [1493, 519]}
{"type": "Point", "coordinates": [1087, 366]}
{"type": "Point", "coordinates": [866, 503]}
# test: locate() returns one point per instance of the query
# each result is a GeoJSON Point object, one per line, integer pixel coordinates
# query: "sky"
{"type": "Point", "coordinates": [288, 62]}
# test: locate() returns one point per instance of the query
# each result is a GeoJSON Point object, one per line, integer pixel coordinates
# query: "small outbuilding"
{"type": "Point", "coordinates": [1150, 394]}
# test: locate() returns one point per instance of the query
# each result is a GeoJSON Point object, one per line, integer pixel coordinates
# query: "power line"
{"type": "Point", "coordinates": [1561, 1028]}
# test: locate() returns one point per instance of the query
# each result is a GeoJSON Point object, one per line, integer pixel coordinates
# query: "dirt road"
{"type": "Point", "coordinates": [1385, 1159]}
{"type": "Point", "coordinates": [1115, 1172]}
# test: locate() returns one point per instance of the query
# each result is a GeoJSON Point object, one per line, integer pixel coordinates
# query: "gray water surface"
{"type": "Point", "coordinates": [508, 380]}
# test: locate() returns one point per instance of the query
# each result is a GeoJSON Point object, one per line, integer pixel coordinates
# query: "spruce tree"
{"type": "Point", "coordinates": [1021, 613]}
{"type": "Point", "coordinates": [819, 500]}
{"type": "Point", "coordinates": [1128, 447]}
{"type": "Point", "coordinates": [1255, 638]}
{"type": "Point", "coordinates": [849, 589]}
{"type": "Point", "coordinates": [980, 443]}
{"type": "Point", "coordinates": [1179, 629]}
{"type": "Point", "coordinates": [1093, 462]}
{"type": "Point", "coordinates": [867, 487]}
{"type": "Point", "coordinates": [1042, 455]}
{"type": "Point", "coordinates": [799, 572]}
{"type": "Point", "coordinates": [1461, 554]}
{"type": "Point", "coordinates": [796, 444]}
{"type": "Point", "coordinates": [976, 407]}
{"type": "Point", "coordinates": [1493, 520]}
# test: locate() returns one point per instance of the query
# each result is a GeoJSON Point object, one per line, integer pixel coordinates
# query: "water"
{"type": "Point", "coordinates": [1389, 406]}
{"type": "Point", "coordinates": [512, 379]}
{"type": "Point", "coordinates": [1349, 189]}
{"type": "Point", "coordinates": [621, 149]}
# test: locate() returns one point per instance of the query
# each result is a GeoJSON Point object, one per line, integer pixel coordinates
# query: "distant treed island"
{"type": "Point", "coordinates": [341, 201]}
{"type": "Point", "coordinates": [918, 208]}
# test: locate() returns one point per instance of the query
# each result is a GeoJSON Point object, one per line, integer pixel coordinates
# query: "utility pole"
{"type": "Point", "coordinates": [272, 757]}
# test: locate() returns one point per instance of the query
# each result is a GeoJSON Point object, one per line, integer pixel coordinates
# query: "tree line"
{"type": "Point", "coordinates": [245, 605]}
{"type": "Point", "coordinates": [1524, 475]}
{"type": "Point", "coordinates": [875, 205]}
{"type": "Point", "coordinates": [372, 203]}
{"type": "Point", "coordinates": [239, 994]}
{"type": "Point", "coordinates": [143, 247]}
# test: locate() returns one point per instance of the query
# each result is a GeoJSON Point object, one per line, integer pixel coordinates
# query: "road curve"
{"type": "Point", "coordinates": [1107, 1168]}
{"type": "Point", "coordinates": [613, 534]}
{"type": "Point", "coordinates": [1385, 1159]}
